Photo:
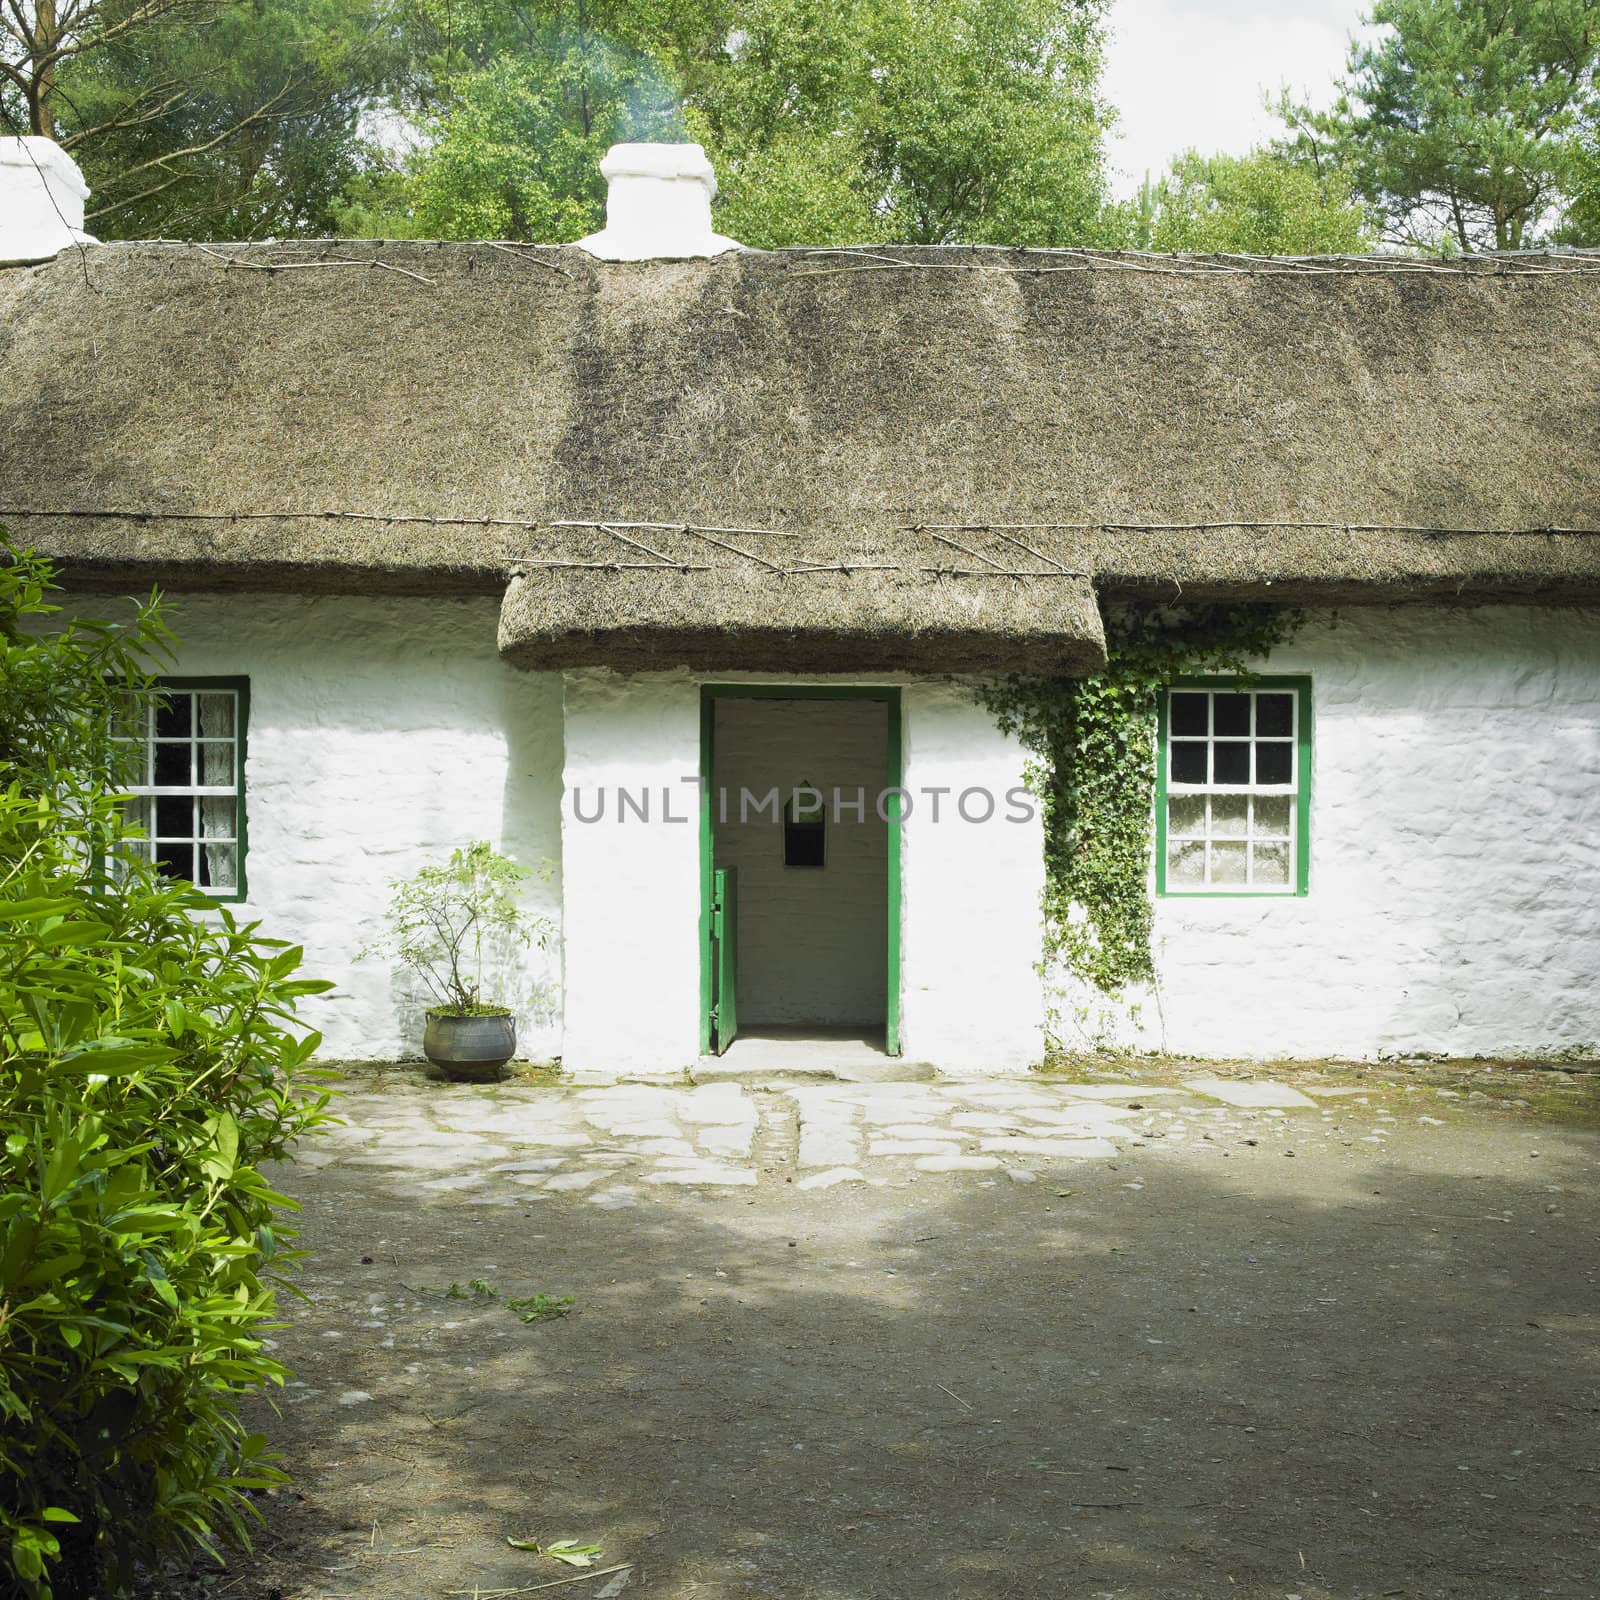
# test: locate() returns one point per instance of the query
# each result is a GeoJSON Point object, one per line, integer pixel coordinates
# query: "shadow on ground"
{"type": "Point", "coordinates": [1351, 1372]}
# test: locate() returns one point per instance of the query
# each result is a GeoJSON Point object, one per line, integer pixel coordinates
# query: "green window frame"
{"type": "Point", "coordinates": [1233, 788]}
{"type": "Point", "coordinates": [190, 799]}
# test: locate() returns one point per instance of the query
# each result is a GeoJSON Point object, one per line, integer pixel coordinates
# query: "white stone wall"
{"type": "Point", "coordinates": [972, 998]}
{"type": "Point", "coordinates": [383, 733]}
{"type": "Point", "coordinates": [632, 949]}
{"type": "Point", "coordinates": [1455, 841]}
{"type": "Point", "coordinates": [812, 941]}
{"type": "Point", "coordinates": [1454, 901]}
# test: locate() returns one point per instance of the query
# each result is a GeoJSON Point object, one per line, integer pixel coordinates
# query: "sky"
{"type": "Point", "coordinates": [1194, 72]}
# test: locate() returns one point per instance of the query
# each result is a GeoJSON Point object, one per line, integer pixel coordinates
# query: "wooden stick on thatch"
{"type": "Point", "coordinates": [305, 266]}
{"type": "Point", "coordinates": [1038, 555]}
{"type": "Point", "coordinates": [976, 555]}
{"type": "Point", "coordinates": [660, 556]}
{"type": "Point", "coordinates": [843, 566]}
{"type": "Point", "coordinates": [672, 527]}
{"type": "Point", "coordinates": [523, 256]}
{"type": "Point", "coordinates": [760, 561]}
{"type": "Point", "coordinates": [612, 566]}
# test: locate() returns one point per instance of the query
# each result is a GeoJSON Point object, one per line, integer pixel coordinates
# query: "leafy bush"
{"type": "Point", "coordinates": [148, 1065]}
{"type": "Point", "coordinates": [440, 919]}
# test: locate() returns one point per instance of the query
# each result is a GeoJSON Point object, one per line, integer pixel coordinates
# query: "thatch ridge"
{"type": "Point", "coordinates": [1312, 415]}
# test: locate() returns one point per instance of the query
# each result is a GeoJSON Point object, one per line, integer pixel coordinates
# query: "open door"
{"type": "Point", "coordinates": [725, 956]}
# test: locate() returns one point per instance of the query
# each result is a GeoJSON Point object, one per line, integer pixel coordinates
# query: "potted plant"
{"type": "Point", "coordinates": [440, 923]}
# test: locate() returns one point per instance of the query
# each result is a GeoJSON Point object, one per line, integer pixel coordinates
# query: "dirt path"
{"type": "Point", "coordinates": [1346, 1349]}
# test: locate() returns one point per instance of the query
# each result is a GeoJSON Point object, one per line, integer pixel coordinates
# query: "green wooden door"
{"type": "Point", "coordinates": [725, 946]}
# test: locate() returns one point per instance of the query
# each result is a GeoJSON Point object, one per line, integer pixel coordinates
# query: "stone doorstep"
{"type": "Point", "coordinates": [828, 1152]}
{"type": "Point", "coordinates": [1078, 1115]}
{"type": "Point", "coordinates": [558, 1182]}
{"type": "Point", "coordinates": [719, 1141]}
{"type": "Point", "coordinates": [427, 1160]}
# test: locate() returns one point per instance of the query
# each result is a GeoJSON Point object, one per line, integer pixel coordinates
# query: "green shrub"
{"type": "Point", "coordinates": [148, 1065]}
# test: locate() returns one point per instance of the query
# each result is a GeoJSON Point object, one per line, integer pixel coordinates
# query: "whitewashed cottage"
{"type": "Point", "coordinates": [555, 546]}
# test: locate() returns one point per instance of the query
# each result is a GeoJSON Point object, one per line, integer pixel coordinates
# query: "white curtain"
{"type": "Point", "coordinates": [218, 768]}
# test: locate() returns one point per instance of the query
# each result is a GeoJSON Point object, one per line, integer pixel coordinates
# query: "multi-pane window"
{"type": "Point", "coordinates": [190, 800]}
{"type": "Point", "coordinates": [1235, 790]}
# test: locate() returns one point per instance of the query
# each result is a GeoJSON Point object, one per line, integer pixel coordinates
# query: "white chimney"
{"type": "Point", "coordinates": [658, 205]}
{"type": "Point", "coordinates": [41, 201]}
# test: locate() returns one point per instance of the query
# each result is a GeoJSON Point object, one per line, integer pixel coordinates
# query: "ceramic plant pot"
{"type": "Point", "coordinates": [470, 1049]}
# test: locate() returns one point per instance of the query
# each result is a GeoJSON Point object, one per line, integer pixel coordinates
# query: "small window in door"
{"type": "Point", "coordinates": [804, 829]}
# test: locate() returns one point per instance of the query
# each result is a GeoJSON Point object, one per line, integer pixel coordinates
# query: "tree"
{"type": "Point", "coordinates": [828, 122]}
{"type": "Point", "coordinates": [1464, 122]}
{"type": "Point", "coordinates": [198, 118]}
{"type": "Point", "coordinates": [963, 120]}
{"type": "Point", "coordinates": [513, 110]}
{"type": "Point", "coordinates": [1259, 204]}
{"type": "Point", "coordinates": [1581, 226]}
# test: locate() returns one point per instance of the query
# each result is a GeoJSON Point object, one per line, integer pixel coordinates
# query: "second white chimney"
{"type": "Point", "coordinates": [41, 201]}
{"type": "Point", "coordinates": [658, 205]}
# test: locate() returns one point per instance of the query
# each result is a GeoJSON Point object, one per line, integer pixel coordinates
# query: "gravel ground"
{"type": "Point", "coordinates": [1336, 1347]}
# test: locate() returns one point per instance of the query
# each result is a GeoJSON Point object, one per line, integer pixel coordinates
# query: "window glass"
{"type": "Point", "coordinates": [1230, 864]}
{"type": "Point", "coordinates": [1230, 761]}
{"type": "Point", "coordinates": [1231, 715]}
{"type": "Point", "coordinates": [1230, 816]}
{"type": "Point", "coordinates": [1275, 715]}
{"type": "Point", "coordinates": [1274, 762]}
{"type": "Point", "coordinates": [1272, 814]}
{"type": "Point", "coordinates": [1189, 714]}
{"type": "Point", "coordinates": [1188, 763]}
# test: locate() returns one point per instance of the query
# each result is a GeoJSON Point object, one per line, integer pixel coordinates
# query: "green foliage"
{"type": "Point", "coordinates": [536, 1307]}
{"type": "Point", "coordinates": [1581, 226]}
{"type": "Point", "coordinates": [1464, 121]}
{"type": "Point", "coordinates": [1092, 742]}
{"type": "Point", "coordinates": [929, 121]}
{"type": "Point", "coordinates": [223, 119]}
{"type": "Point", "coordinates": [567, 1551]}
{"type": "Point", "coordinates": [1259, 204]}
{"type": "Point", "coordinates": [441, 919]}
{"type": "Point", "coordinates": [148, 1066]}
{"type": "Point", "coordinates": [514, 107]}
{"type": "Point", "coordinates": [922, 120]}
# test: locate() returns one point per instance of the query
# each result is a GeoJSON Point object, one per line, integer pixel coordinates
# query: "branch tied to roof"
{"type": "Point", "coordinates": [682, 547]}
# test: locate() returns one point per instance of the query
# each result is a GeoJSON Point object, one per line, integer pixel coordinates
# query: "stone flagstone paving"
{"type": "Point", "coordinates": [619, 1145]}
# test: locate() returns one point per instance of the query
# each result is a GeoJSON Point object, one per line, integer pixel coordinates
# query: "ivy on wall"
{"type": "Point", "coordinates": [1092, 747]}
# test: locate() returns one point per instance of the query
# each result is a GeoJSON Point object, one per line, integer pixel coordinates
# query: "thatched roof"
{"type": "Point", "coordinates": [424, 418]}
